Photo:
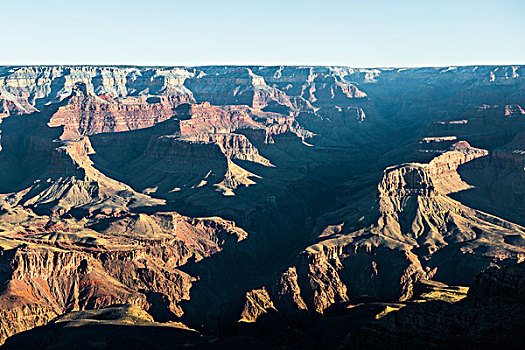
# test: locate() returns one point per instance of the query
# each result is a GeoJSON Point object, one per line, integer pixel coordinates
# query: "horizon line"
{"type": "Point", "coordinates": [257, 65]}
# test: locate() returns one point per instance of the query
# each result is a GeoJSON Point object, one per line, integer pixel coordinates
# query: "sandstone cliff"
{"type": "Point", "coordinates": [417, 224]}
{"type": "Point", "coordinates": [52, 266]}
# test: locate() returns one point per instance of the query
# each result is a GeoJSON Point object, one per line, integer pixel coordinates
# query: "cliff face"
{"type": "Point", "coordinates": [54, 268]}
{"type": "Point", "coordinates": [87, 114]}
{"type": "Point", "coordinates": [253, 86]}
{"type": "Point", "coordinates": [418, 225]}
{"type": "Point", "coordinates": [495, 294]}
{"type": "Point", "coordinates": [234, 86]}
{"type": "Point", "coordinates": [355, 184]}
{"type": "Point", "coordinates": [58, 176]}
{"type": "Point", "coordinates": [220, 136]}
{"type": "Point", "coordinates": [38, 85]}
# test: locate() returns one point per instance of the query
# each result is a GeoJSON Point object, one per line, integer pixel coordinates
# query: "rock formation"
{"type": "Point", "coordinates": [417, 223]}
{"type": "Point", "coordinates": [495, 294]}
{"type": "Point", "coordinates": [52, 266]}
{"type": "Point", "coordinates": [353, 187]}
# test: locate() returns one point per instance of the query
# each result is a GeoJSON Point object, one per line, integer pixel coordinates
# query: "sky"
{"type": "Point", "coordinates": [364, 33]}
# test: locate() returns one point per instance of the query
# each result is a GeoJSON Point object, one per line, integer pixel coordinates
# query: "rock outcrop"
{"type": "Point", "coordinates": [417, 223]}
{"type": "Point", "coordinates": [88, 114]}
{"type": "Point", "coordinates": [55, 266]}
{"type": "Point", "coordinates": [496, 294]}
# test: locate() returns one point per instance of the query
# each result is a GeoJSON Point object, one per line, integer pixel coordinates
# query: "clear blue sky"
{"type": "Point", "coordinates": [362, 33]}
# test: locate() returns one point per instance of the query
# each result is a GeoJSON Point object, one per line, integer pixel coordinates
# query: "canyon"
{"type": "Point", "coordinates": [235, 206]}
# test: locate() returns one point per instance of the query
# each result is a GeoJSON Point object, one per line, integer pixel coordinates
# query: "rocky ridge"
{"type": "Point", "coordinates": [467, 324]}
{"type": "Point", "coordinates": [52, 266]}
{"type": "Point", "coordinates": [417, 222]}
